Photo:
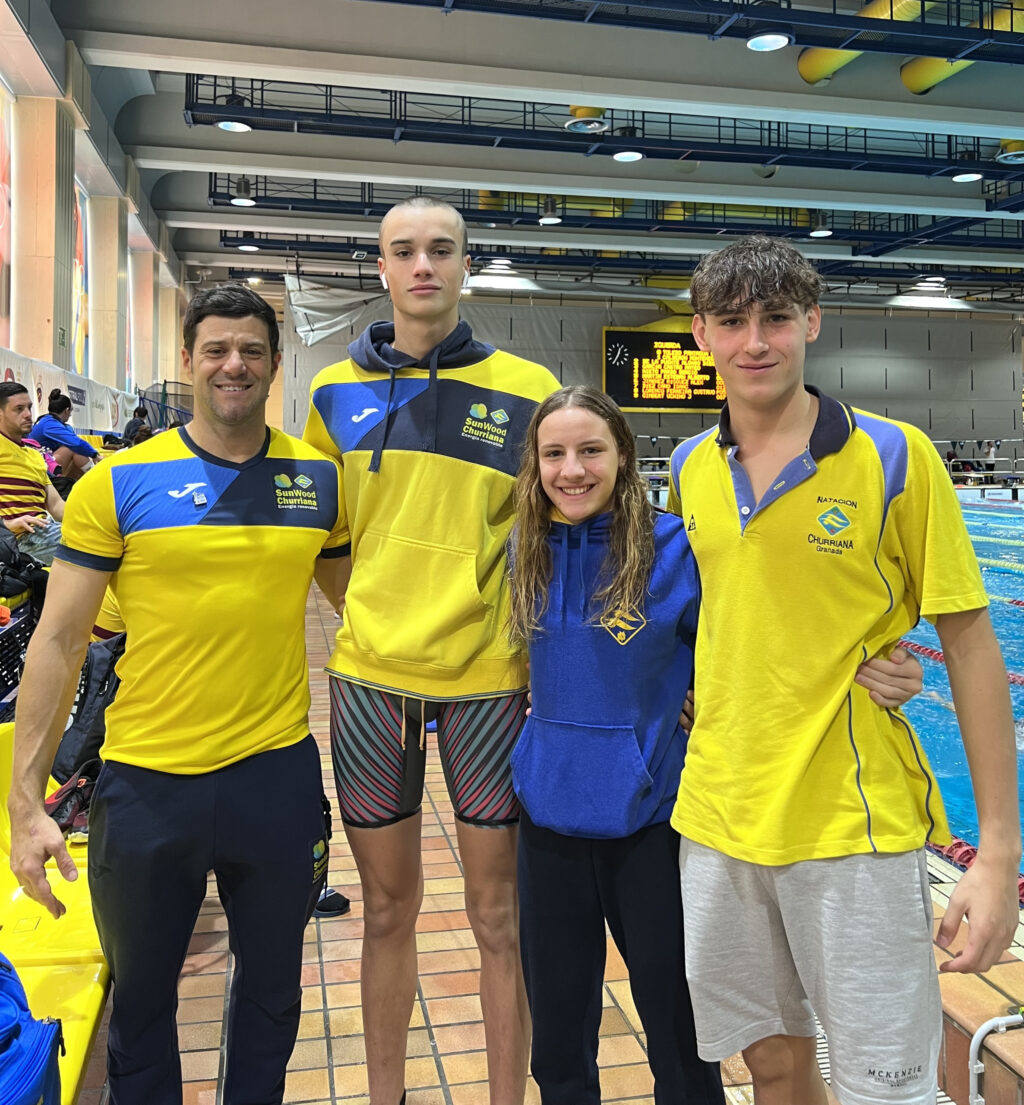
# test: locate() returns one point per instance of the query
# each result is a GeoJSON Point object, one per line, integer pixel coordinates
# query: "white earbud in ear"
{"type": "Point", "coordinates": [384, 281]}
{"type": "Point", "coordinates": [465, 279]}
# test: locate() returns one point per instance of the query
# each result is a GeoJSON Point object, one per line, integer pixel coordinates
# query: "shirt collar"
{"type": "Point", "coordinates": [832, 428]}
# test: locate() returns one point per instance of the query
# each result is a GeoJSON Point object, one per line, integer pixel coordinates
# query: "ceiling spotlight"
{"type": "Point", "coordinates": [236, 126]}
{"type": "Point", "coordinates": [965, 175]}
{"type": "Point", "coordinates": [248, 245]}
{"type": "Point", "coordinates": [501, 262]}
{"type": "Point", "coordinates": [768, 37]}
{"type": "Point", "coordinates": [627, 155]}
{"type": "Point", "coordinates": [550, 215]}
{"type": "Point", "coordinates": [933, 279]}
{"type": "Point", "coordinates": [819, 228]}
{"type": "Point", "coordinates": [254, 280]}
{"type": "Point", "coordinates": [1011, 152]}
{"type": "Point", "coordinates": [243, 193]}
{"type": "Point", "coordinates": [586, 120]}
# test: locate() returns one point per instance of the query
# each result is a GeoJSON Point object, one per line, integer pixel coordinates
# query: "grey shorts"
{"type": "Point", "coordinates": [848, 939]}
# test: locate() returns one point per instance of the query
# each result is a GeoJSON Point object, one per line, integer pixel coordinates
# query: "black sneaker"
{"type": "Point", "coordinates": [331, 904]}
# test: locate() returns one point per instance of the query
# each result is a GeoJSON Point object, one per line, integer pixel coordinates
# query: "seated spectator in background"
{"type": "Point", "coordinates": [143, 433]}
{"type": "Point", "coordinates": [29, 504]}
{"type": "Point", "coordinates": [72, 453]}
{"type": "Point", "coordinates": [135, 423]}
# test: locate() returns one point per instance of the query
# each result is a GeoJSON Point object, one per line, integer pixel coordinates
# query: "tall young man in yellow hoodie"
{"type": "Point", "coordinates": [427, 424]}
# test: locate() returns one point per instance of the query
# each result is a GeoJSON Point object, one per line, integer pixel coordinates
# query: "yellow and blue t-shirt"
{"type": "Point", "coordinates": [24, 479]}
{"type": "Point", "coordinates": [212, 565]}
{"type": "Point", "coordinates": [430, 453]}
{"type": "Point", "coordinates": [858, 537]}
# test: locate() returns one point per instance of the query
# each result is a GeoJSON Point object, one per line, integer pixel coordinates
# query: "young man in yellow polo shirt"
{"type": "Point", "coordinates": [823, 534]}
{"type": "Point", "coordinates": [29, 504]}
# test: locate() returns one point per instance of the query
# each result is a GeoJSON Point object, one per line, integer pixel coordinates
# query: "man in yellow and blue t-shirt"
{"type": "Point", "coordinates": [823, 534]}
{"type": "Point", "coordinates": [208, 536]}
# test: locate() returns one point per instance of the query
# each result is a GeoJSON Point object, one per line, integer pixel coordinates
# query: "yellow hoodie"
{"type": "Point", "coordinates": [429, 451]}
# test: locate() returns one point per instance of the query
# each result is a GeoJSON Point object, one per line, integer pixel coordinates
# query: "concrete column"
{"type": "Point", "coordinates": [42, 247]}
{"type": "Point", "coordinates": [143, 272]}
{"type": "Point", "coordinates": [108, 289]}
{"type": "Point", "coordinates": [170, 334]}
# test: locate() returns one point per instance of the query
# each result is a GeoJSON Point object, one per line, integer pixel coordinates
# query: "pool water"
{"type": "Point", "coordinates": [996, 526]}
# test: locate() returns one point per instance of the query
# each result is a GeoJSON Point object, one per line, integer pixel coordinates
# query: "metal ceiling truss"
{"type": "Point", "coordinates": [942, 30]}
{"type": "Point", "coordinates": [511, 124]}
{"type": "Point", "coordinates": [591, 262]}
{"type": "Point", "coordinates": [875, 232]}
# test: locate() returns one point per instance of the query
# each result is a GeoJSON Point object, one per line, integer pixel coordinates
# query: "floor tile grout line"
{"type": "Point", "coordinates": [327, 1013]}
{"type": "Point", "coordinates": [428, 1024]}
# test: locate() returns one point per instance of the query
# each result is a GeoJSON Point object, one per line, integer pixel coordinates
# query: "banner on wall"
{"type": "Point", "coordinates": [96, 408]}
{"type": "Point", "coordinates": [80, 285]}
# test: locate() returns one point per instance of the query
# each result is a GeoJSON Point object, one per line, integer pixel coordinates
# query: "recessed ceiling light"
{"type": "Point", "coordinates": [627, 155]}
{"type": "Point", "coordinates": [764, 40]}
{"type": "Point", "coordinates": [255, 280]}
{"type": "Point", "coordinates": [968, 176]}
{"type": "Point", "coordinates": [235, 126]}
{"type": "Point", "coordinates": [500, 262]}
{"type": "Point", "coordinates": [243, 193]}
{"type": "Point", "coordinates": [550, 215]}
{"type": "Point", "coordinates": [248, 246]}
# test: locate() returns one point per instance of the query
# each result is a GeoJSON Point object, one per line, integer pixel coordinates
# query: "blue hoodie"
{"type": "Point", "coordinates": [601, 753]}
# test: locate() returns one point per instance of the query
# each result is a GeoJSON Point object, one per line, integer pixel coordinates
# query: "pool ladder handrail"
{"type": "Point", "coordinates": [975, 1065]}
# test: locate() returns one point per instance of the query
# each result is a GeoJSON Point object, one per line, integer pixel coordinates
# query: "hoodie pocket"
{"type": "Point", "coordinates": [420, 603]}
{"type": "Point", "coordinates": [580, 780]}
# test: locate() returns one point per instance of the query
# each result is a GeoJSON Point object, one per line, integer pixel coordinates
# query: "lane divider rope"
{"type": "Point", "coordinates": [936, 654]}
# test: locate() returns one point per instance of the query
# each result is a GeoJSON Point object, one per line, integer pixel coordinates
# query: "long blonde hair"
{"type": "Point", "coordinates": [626, 571]}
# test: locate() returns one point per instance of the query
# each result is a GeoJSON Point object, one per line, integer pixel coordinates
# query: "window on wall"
{"type": "Point", "coordinates": [80, 284]}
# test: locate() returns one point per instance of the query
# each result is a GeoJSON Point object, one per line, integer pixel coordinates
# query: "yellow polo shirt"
{"type": "Point", "coordinates": [859, 537]}
{"type": "Point", "coordinates": [23, 479]}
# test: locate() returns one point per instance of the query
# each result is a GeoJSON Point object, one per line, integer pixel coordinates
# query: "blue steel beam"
{"type": "Point", "coordinates": [809, 27]}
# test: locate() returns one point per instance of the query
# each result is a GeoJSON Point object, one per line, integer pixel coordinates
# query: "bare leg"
{"type": "Point", "coordinates": [391, 874]}
{"type": "Point", "coordinates": [489, 862]}
{"type": "Point", "coordinates": [785, 1071]}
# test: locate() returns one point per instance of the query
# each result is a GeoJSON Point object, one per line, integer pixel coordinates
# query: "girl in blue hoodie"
{"type": "Point", "coordinates": [605, 592]}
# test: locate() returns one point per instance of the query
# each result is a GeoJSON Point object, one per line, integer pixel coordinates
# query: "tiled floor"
{"type": "Point", "coordinates": [446, 1063]}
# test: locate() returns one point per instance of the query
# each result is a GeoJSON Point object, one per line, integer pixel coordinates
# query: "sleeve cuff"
{"type": "Point", "coordinates": [336, 552]}
{"type": "Point", "coordinates": [88, 560]}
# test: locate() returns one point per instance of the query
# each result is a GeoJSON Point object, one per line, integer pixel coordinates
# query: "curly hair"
{"type": "Point", "coordinates": [756, 269]}
{"type": "Point", "coordinates": [626, 571]}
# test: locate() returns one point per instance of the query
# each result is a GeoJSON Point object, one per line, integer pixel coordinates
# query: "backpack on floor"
{"type": "Point", "coordinates": [29, 1074]}
{"type": "Point", "coordinates": [97, 687]}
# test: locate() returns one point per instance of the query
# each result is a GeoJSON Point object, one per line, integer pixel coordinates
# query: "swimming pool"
{"type": "Point", "coordinates": [996, 526]}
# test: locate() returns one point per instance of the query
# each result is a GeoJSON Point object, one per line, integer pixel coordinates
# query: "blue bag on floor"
{"type": "Point", "coordinates": [29, 1074]}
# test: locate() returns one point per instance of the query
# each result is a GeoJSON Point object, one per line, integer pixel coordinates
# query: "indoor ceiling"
{"type": "Point", "coordinates": [514, 110]}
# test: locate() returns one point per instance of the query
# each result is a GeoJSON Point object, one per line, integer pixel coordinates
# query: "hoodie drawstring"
{"type": "Point", "coordinates": [432, 390]}
{"type": "Point", "coordinates": [375, 459]}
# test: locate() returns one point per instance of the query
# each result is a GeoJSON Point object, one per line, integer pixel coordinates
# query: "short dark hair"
{"type": "Point", "coordinates": [229, 301]}
{"type": "Point", "coordinates": [9, 388]}
{"type": "Point", "coordinates": [59, 402]}
{"type": "Point", "coordinates": [140, 412]}
{"type": "Point", "coordinates": [428, 202]}
{"type": "Point", "coordinates": [757, 269]}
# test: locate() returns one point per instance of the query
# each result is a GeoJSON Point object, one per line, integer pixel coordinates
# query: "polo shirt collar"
{"type": "Point", "coordinates": [832, 428]}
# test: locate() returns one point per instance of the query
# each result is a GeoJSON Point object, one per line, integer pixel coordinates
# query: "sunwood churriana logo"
{"type": "Point", "coordinates": [295, 492]}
